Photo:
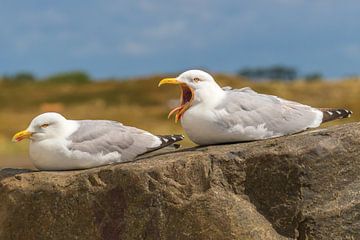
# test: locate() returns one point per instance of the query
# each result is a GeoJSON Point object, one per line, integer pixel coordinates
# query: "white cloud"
{"type": "Point", "coordinates": [90, 49]}
{"type": "Point", "coordinates": [135, 49]}
{"type": "Point", "coordinates": [352, 51]}
{"type": "Point", "coordinates": [192, 31]}
{"type": "Point", "coordinates": [27, 42]}
{"type": "Point", "coordinates": [166, 30]}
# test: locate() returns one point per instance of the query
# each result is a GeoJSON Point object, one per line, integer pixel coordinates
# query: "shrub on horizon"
{"type": "Point", "coordinates": [19, 78]}
{"type": "Point", "coordinates": [75, 77]}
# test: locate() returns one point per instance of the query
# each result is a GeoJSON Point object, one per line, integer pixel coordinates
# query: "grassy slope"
{"type": "Point", "coordinates": [140, 103]}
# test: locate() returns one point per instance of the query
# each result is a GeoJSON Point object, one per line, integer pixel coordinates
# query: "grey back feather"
{"type": "Point", "coordinates": [103, 137]}
{"type": "Point", "coordinates": [248, 108]}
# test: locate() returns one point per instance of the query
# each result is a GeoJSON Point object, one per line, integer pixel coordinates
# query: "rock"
{"type": "Point", "coordinates": [305, 186]}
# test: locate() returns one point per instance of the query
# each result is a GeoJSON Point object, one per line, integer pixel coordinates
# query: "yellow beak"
{"type": "Point", "coordinates": [21, 136]}
{"type": "Point", "coordinates": [169, 81]}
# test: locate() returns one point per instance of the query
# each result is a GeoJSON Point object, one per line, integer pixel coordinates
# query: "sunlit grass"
{"type": "Point", "coordinates": [141, 104]}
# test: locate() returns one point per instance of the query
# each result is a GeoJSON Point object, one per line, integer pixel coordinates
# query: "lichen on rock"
{"type": "Point", "coordinates": [304, 186]}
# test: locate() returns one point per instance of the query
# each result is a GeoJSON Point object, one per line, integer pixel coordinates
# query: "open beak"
{"type": "Point", "coordinates": [186, 97]}
{"type": "Point", "coordinates": [21, 136]}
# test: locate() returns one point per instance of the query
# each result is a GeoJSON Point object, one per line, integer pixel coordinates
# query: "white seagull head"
{"type": "Point", "coordinates": [196, 87]}
{"type": "Point", "coordinates": [197, 79]}
{"type": "Point", "coordinates": [45, 126]}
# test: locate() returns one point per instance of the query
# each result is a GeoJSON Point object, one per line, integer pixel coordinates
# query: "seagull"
{"type": "Point", "coordinates": [210, 114]}
{"type": "Point", "coordinates": [60, 144]}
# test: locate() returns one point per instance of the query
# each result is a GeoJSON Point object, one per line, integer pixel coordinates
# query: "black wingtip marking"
{"type": "Point", "coordinates": [167, 140]}
{"type": "Point", "coordinates": [333, 114]}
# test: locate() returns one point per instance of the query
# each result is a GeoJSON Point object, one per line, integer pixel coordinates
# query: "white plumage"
{"type": "Point", "coordinates": [210, 114]}
{"type": "Point", "coordinates": [60, 144]}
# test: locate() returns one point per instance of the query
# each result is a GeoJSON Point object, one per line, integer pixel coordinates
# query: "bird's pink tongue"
{"type": "Point", "coordinates": [186, 98]}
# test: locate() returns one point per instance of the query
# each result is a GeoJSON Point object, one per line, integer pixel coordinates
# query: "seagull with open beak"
{"type": "Point", "coordinates": [210, 114]}
{"type": "Point", "coordinates": [197, 87]}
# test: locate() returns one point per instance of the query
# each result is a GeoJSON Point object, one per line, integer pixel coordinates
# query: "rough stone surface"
{"type": "Point", "coordinates": [305, 186]}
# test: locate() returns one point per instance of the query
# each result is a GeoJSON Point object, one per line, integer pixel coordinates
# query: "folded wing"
{"type": "Point", "coordinates": [100, 137]}
{"type": "Point", "coordinates": [273, 115]}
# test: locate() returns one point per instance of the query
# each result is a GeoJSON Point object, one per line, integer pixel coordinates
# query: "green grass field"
{"type": "Point", "coordinates": [140, 103]}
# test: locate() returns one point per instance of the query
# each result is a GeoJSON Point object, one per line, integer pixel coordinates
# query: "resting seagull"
{"type": "Point", "coordinates": [60, 144]}
{"type": "Point", "coordinates": [210, 114]}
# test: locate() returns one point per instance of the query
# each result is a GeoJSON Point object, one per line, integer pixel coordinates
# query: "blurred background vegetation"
{"type": "Point", "coordinates": [138, 102]}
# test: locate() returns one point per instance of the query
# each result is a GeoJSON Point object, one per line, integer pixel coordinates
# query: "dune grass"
{"type": "Point", "coordinates": [138, 102]}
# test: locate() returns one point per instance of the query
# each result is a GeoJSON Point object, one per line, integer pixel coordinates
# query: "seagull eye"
{"type": "Point", "coordinates": [44, 125]}
{"type": "Point", "coordinates": [196, 79]}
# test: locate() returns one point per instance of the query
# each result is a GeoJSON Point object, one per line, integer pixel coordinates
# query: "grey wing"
{"type": "Point", "coordinates": [247, 108]}
{"type": "Point", "coordinates": [105, 137]}
{"type": "Point", "coordinates": [244, 89]}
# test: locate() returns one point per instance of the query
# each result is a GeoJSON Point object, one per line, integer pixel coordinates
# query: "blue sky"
{"type": "Point", "coordinates": [129, 38]}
